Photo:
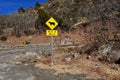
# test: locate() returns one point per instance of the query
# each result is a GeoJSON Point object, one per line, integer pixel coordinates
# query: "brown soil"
{"type": "Point", "coordinates": [74, 36]}
{"type": "Point", "coordinates": [93, 68]}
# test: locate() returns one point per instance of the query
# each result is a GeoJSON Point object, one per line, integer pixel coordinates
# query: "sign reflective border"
{"type": "Point", "coordinates": [51, 32]}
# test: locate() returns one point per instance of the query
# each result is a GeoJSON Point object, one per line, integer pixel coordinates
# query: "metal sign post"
{"type": "Point", "coordinates": [52, 54]}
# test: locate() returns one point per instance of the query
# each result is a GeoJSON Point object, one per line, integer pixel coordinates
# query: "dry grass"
{"type": "Point", "coordinates": [78, 65]}
{"type": "Point", "coordinates": [81, 65]}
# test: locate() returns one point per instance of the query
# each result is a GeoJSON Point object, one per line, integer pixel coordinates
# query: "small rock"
{"type": "Point", "coordinates": [114, 68]}
{"type": "Point", "coordinates": [88, 57]}
{"type": "Point", "coordinates": [51, 64]}
{"type": "Point", "coordinates": [75, 55]}
{"type": "Point", "coordinates": [96, 65]}
{"type": "Point", "coordinates": [100, 59]}
{"type": "Point", "coordinates": [68, 59]}
{"type": "Point", "coordinates": [103, 58]}
{"type": "Point", "coordinates": [26, 64]}
{"type": "Point", "coordinates": [17, 63]}
{"type": "Point", "coordinates": [28, 53]}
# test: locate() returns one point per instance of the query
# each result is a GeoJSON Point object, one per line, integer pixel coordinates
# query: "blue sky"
{"type": "Point", "coordinates": [8, 6]}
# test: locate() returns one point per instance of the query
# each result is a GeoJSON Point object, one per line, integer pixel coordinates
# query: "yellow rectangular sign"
{"type": "Point", "coordinates": [51, 32]}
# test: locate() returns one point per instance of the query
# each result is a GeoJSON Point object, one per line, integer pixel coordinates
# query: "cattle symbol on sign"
{"type": "Point", "coordinates": [52, 23]}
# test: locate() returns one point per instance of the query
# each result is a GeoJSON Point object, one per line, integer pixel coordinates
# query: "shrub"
{"type": "Point", "coordinates": [37, 5]}
{"type": "Point", "coordinates": [3, 38]}
{"type": "Point", "coordinates": [62, 25]}
{"type": "Point", "coordinates": [21, 10]}
{"type": "Point", "coordinates": [29, 32]}
{"type": "Point", "coordinates": [40, 22]}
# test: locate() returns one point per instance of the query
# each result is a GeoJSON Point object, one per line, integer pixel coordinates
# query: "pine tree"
{"type": "Point", "coordinates": [37, 5]}
{"type": "Point", "coordinates": [21, 10]}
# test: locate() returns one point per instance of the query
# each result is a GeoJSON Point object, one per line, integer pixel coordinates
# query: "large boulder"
{"type": "Point", "coordinates": [111, 51]}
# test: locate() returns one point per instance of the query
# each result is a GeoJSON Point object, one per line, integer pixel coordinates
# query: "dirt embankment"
{"type": "Point", "coordinates": [73, 36]}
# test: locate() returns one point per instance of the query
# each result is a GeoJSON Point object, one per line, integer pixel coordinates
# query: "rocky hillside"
{"type": "Point", "coordinates": [73, 11]}
{"type": "Point", "coordinates": [100, 16]}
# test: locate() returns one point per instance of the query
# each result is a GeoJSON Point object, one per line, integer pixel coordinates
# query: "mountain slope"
{"type": "Point", "coordinates": [72, 11]}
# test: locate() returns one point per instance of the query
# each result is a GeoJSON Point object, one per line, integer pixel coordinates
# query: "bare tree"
{"type": "Point", "coordinates": [22, 23]}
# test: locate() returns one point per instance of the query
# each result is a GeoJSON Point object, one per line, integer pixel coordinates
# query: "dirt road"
{"type": "Point", "coordinates": [27, 71]}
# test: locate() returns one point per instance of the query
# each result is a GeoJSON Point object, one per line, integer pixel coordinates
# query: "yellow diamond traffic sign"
{"type": "Point", "coordinates": [51, 23]}
{"type": "Point", "coordinates": [51, 32]}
